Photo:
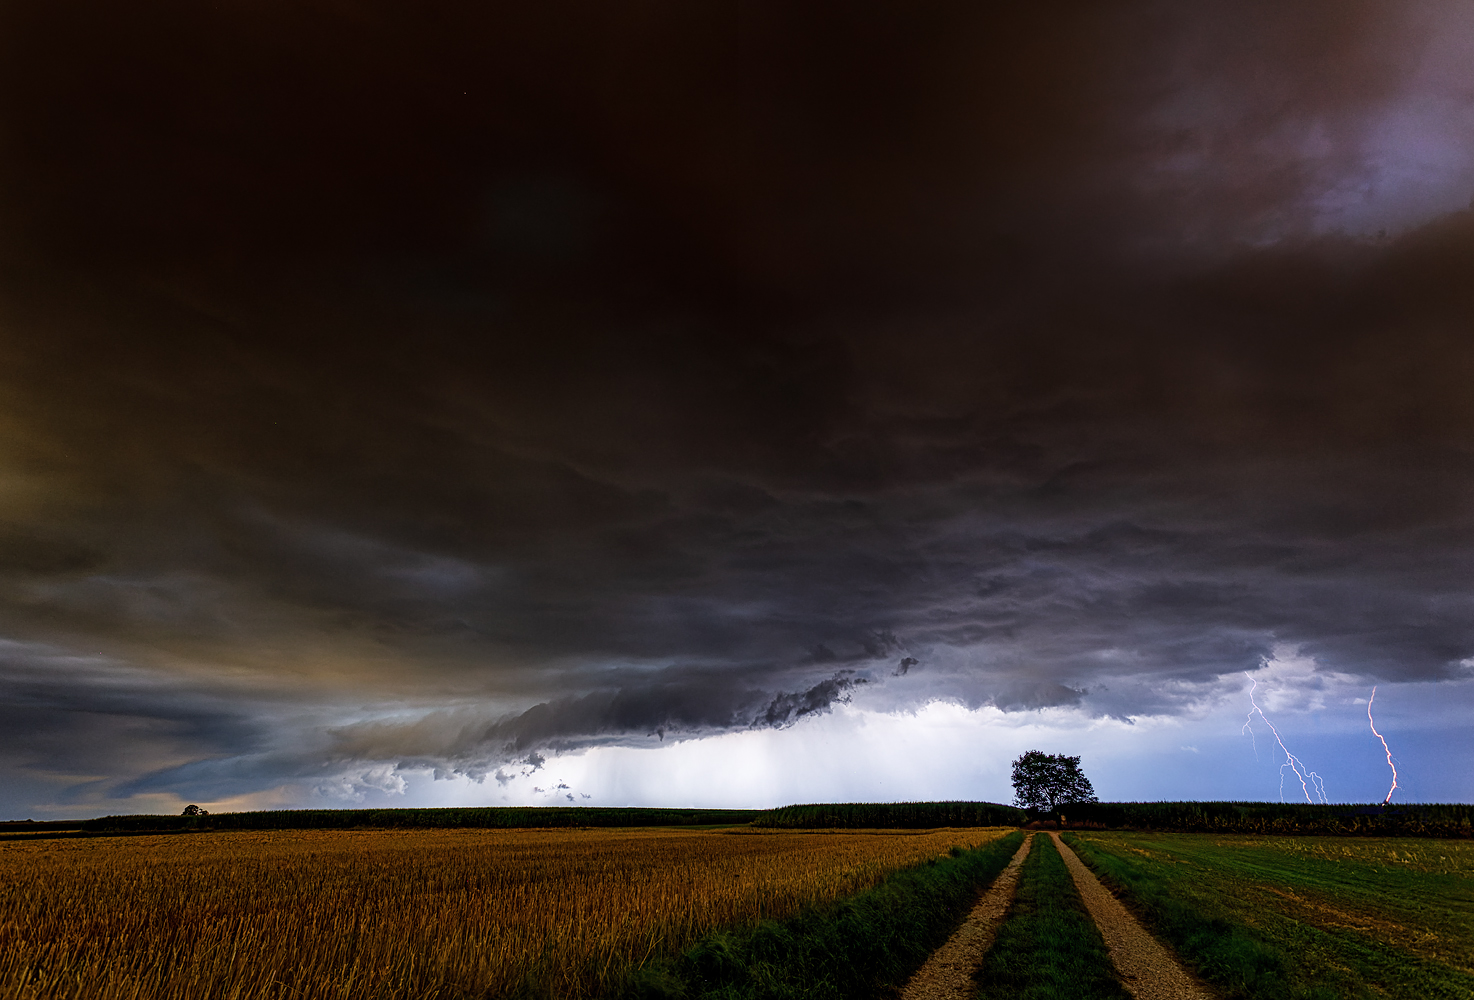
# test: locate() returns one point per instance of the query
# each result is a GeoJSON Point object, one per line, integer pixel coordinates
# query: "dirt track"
{"type": "Point", "coordinates": [1149, 970]}
{"type": "Point", "coordinates": [947, 975]}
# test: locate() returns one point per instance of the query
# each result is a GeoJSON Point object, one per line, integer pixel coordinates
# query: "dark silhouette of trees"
{"type": "Point", "coordinates": [1048, 780]}
{"type": "Point", "coordinates": [194, 810]}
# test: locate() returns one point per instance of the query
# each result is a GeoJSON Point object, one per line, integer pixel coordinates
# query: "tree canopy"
{"type": "Point", "coordinates": [1049, 780]}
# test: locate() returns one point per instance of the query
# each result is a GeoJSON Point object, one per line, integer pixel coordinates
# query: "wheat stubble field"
{"type": "Point", "coordinates": [429, 914]}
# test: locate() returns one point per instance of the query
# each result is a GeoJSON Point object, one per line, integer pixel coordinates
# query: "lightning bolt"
{"type": "Point", "coordinates": [1379, 736]}
{"type": "Point", "coordinates": [1248, 726]}
{"type": "Point", "coordinates": [1308, 778]}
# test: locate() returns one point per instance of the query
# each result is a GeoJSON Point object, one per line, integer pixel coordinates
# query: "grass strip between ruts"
{"type": "Point", "coordinates": [1207, 902]}
{"type": "Point", "coordinates": [1048, 946]}
{"type": "Point", "coordinates": [850, 949]}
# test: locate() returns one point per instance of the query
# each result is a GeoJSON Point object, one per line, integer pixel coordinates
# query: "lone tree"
{"type": "Point", "coordinates": [194, 810]}
{"type": "Point", "coordinates": [1049, 780]}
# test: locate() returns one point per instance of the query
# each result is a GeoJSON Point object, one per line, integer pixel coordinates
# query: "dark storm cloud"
{"type": "Point", "coordinates": [524, 380]}
{"type": "Point", "coordinates": [677, 703]}
{"type": "Point", "coordinates": [86, 719]}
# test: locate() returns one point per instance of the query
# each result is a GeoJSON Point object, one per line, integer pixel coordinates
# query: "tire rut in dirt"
{"type": "Point", "coordinates": [1147, 968]}
{"type": "Point", "coordinates": [948, 974]}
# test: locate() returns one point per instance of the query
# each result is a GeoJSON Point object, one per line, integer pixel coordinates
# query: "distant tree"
{"type": "Point", "coordinates": [194, 810]}
{"type": "Point", "coordinates": [1049, 780]}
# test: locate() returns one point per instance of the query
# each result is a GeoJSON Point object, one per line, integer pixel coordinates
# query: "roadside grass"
{"type": "Point", "coordinates": [1048, 947]}
{"type": "Point", "coordinates": [861, 947]}
{"type": "Point", "coordinates": [1302, 918]}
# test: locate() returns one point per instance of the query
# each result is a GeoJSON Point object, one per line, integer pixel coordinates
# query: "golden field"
{"type": "Point", "coordinates": [429, 914]}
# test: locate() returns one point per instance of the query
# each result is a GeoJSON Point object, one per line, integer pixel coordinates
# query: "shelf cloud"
{"type": "Point", "coordinates": [451, 389]}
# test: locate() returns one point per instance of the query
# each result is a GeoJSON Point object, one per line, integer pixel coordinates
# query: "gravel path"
{"type": "Point", "coordinates": [947, 975]}
{"type": "Point", "coordinates": [1149, 971]}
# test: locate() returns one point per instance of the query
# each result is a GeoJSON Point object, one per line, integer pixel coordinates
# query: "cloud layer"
{"type": "Point", "coordinates": [445, 389]}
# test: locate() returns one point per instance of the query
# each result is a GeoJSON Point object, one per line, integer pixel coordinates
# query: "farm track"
{"type": "Point", "coordinates": [947, 975]}
{"type": "Point", "coordinates": [1147, 968]}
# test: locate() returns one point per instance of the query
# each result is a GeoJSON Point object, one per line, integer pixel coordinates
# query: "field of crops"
{"type": "Point", "coordinates": [1425, 819]}
{"type": "Point", "coordinates": [428, 914]}
{"type": "Point", "coordinates": [478, 818]}
{"type": "Point", "coordinates": [1304, 916]}
{"type": "Point", "coordinates": [890, 815]}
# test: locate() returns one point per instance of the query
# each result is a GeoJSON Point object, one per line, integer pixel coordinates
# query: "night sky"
{"type": "Point", "coordinates": [731, 403]}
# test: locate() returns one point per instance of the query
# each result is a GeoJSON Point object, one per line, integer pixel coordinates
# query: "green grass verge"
{"type": "Point", "coordinates": [1048, 947]}
{"type": "Point", "coordinates": [1283, 918]}
{"type": "Point", "coordinates": [851, 949]}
